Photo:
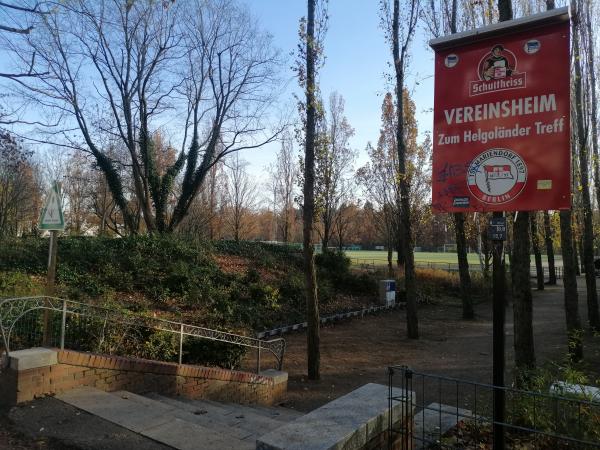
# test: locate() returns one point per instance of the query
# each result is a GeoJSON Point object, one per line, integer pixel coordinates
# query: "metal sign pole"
{"type": "Point", "coordinates": [499, 318]}
{"type": "Point", "coordinates": [51, 219]}
{"type": "Point", "coordinates": [50, 284]}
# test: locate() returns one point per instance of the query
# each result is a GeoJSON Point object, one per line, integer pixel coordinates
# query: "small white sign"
{"type": "Point", "coordinates": [52, 217]}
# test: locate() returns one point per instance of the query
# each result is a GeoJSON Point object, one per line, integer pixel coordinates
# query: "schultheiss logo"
{"type": "Point", "coordinates": [497, 71]}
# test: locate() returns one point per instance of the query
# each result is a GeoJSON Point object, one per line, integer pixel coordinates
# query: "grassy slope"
{"type": "Point", "coordinates": [220, 284]}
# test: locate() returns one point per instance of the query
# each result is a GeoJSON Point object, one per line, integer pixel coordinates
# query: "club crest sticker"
{"type": "Point", "coordinates": [497, 71]}
{"type": "Point", "coordinates": [496, 176]}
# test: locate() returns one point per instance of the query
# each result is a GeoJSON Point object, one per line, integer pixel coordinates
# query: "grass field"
{"type": "Point", "coordinates": [380, 257]}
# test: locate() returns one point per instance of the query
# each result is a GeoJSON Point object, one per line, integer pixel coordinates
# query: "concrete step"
{"type": "Point", "coordinates": [433, 421]}
{"type": "Point", "coordinates": [272, 412]}
{"type": "Point", "coordinates": [230, 416]}
{"type": "Point", "coordinates": [277, 412]}
{"type": "Point", "coordinates": [153, 419]}
{"type": "Point", "coordinates": [193, 415]}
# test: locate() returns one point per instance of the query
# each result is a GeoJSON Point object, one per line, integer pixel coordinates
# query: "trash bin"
{"type": "Point", "coordinates": [387, 292]}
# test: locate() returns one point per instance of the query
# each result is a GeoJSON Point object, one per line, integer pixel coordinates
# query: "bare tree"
{"type": "Point", "coordinates": [76, 189]}
{"type": "Point", "coordinates": [284, 174]}
{"type": "Point", "coordinates": [22, 18]}
{"type": "Point", "coordinates": [241, 197]}
{"type": "Point", "coordinates": [207, 214]}
{"type": "Point", "coordinates": [380, 183]}
{"type": "Point", "coordinates": [209, 55]}
{"type": "Point", "coordinates": [399, 32]}
{"type": "Point", "coordinates": [233, 63]}
{"type": "Point", "coordinates": [334, 161]}
{"type": "Point", "coordinates": [19, 188]}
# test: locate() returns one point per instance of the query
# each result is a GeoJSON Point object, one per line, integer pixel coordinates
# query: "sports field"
{"type": "Point", "coordinates": [380, 257]}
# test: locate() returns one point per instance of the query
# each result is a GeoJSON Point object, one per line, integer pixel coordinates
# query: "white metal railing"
{"type": "Point", "coordinates": [13, 310]}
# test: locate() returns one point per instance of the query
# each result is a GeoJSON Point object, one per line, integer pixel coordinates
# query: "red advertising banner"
{"type": "Point", "coordinates": [501, 135]}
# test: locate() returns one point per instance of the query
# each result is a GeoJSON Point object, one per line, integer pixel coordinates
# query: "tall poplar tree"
{"type": "Point", "coordinates": [310, 48]}
{"type": "Point", "coordinates": [400, 35]}
{"type": "Point", "coordinates": [583, 158]}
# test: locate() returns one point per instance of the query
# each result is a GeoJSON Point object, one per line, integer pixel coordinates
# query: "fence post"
{"type": "Point", "coordinates": [63, 325]}
{"type": "Point", "coordinates": [407, 407]}
{"type": "Point", "coordinates": [258, 358]}
{"type": "Point", "coordinates": [390, 408]}
{"type": "Point", "coordinates": [180, 343]}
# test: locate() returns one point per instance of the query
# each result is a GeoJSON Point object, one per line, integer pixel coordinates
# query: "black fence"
{"type": "Point", "coordinates": [450, 413]}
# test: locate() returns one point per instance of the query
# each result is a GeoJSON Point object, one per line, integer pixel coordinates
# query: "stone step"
{"type": "Point", "coordinates": [229, 415]}
{"type": "Point", "coordinates": [152, 419]}
{"type": "Point", "coordinates": [356, 420]}
{"type": "Point", "coordinates": [192, 415]}
{"type": "Point", "coordinates": [433, 421]}
{"type": "Point", "coordinates": [272, 412]}
{"type": "Point", "coordinates": [277, 412]}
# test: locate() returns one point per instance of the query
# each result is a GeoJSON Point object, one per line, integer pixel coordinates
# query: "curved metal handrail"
{"type": "Point", "coordinates": [13, 309]}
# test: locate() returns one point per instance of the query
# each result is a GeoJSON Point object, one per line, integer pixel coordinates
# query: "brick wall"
{"type": "Point", "coordinates": [111, 373]}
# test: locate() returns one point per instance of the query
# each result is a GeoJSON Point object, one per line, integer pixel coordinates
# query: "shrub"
{"type": "Point", "coordinates": [212, 353]}
{"type": "Point", "coordinates": [18, 284]}
{"type": "Point", "coordinates": [334, 275]}
{"type": "Point", "coordinates": [551, 414]}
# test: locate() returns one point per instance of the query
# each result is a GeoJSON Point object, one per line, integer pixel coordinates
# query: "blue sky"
{"type": "Point", "coordinates": [357, 58]}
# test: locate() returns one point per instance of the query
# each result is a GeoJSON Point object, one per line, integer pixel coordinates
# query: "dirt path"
{"type": "Point", "coordinates": [359, 351]}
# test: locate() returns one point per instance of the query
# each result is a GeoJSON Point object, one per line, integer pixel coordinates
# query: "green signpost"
{"type": "Point", "coordinates": [53, 220]}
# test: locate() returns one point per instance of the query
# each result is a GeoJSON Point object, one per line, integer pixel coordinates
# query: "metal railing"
{"type": "Point", "coordinates": [81, 326]}
{"type": "Point", "coordinates": [451, 413]}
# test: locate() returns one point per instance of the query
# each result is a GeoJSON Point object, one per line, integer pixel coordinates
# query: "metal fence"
{"type": "Point", "coordinates": [33, 321]}
{"type": "Point", "coordinates": [372, 264]}
{"type": "Point", "coordinates": [456, 414]}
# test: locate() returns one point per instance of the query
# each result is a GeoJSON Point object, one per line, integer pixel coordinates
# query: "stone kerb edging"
{"type": "Point", "coordinates": [326, 319]}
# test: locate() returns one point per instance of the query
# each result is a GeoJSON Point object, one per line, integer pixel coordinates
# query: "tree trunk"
{"type": "Point", "coordinates": [325, 239]}
{"type": "Point", "coordinates": [409, 265]}
{"type": "Point", "coordinates": [390, 256]}
{"type": "Point", "coordinates": [576, 256]}
{"type": "Point", "coordinates": [312, 305]}
{"type": "Point", "coordinates": [463, 266]}
{"type": "Point", "coordinates": [522, 301]}
{"type": "Point", "coordinates": [549, 249]}
{"type": "Point", "coordinates": [574, 343]}
{"type": "Point", "coordinates": [487, 254]}
{"type": "Point", "coordinates": [581, 257]}
{"type": "Point", "coordinates": [594, 106]}
{"type": "Point", "coordinates": [539, 269]}
{"type": "Point", "coordinates": [588, 227]}
{"type": "Point", "coordinates": [459, 227]}
{"type": "Point", "coordinates": [400, 258]}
